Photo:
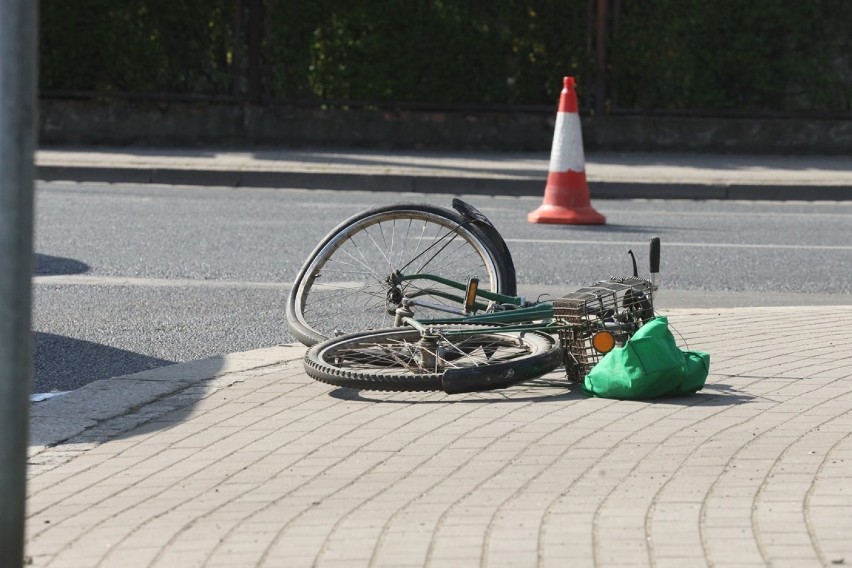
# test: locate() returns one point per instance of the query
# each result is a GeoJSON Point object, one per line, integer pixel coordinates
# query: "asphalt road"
{"type": "Point", "coordinates": [131, 277]}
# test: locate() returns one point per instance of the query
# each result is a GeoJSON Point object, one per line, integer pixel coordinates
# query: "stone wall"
{"type": "Point", "coordinates": [135, 123]}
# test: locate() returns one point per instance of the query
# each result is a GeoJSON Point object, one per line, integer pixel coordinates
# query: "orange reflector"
{"type": "Point", "coordinates": [470, 294]}
{"type": "Point", "coordinates": [603, 342]}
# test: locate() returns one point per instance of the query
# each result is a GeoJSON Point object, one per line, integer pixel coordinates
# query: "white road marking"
{"type": "Point", "coordinates": [91, 280]}
{"type": "Point", "coordinates": [770, 214]}
{"type": "Point", "coordinates": [42, 396]}
{"type": "Point", "coordinates": [692, 245]}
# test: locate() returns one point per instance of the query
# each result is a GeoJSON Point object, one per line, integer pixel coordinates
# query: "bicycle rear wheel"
{"type": "Point", "coordinates": [403, 359]}
{"type": "Point", "coordinates": [344, 285]}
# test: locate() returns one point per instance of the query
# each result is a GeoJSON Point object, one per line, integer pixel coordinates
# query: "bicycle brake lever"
{"type": "Point", "coordinates": [633, 258]}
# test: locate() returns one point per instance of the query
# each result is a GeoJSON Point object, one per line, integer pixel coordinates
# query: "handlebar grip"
{"type": "Point", "coordinates": [654, 255]}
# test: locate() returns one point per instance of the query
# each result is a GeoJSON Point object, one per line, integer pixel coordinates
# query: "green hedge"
{"type": "Point", "coordinates": [139, 46]}
{"type": "Point", "coordinates": [760, 55]}
{"type": "Point", "coordinates": [734, 54]}
{"type": "Point", "coordinates": [464, 51]}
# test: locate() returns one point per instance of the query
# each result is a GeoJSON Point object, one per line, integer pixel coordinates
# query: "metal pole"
{"type": "Point", "coordinates": [17, 150]}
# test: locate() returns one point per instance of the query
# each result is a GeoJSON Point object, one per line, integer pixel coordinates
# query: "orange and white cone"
{"type": "Point", "coordinates": [566, 195]}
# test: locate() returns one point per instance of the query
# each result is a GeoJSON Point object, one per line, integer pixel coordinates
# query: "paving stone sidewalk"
{"type": "Point", "coordinates": [255, 464]}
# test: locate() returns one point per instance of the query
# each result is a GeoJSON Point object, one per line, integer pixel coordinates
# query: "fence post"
{"type": "Point", "coordinates": [254, 40]}
{"type": "Point", "coordinates": [18, 31]}
{"type": "Point", "coordinates": [600, 56]}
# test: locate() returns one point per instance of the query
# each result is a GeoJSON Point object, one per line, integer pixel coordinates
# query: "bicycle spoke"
{"type": "Point", "coordinates": [349, 285]}
{"type": "Point", "coordinates": [393, 355]}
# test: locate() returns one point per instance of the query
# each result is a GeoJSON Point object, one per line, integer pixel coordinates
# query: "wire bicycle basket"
{"type": "Point", "coordinates": [594, 320]}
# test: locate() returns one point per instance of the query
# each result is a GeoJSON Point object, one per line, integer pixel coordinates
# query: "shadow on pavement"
{"type": "Point", "coordinates": [114, 406]}
{"type": "Point", "coordinates": [715, 394]}
{"type": "Point", "coordinates": [617, 228]}
{"type": "Point", "coordinates": [481, 397]}
{"type": "Point", "coordinates": [65, 363]}
{"type": "Point", "coordinates": [45, 265]}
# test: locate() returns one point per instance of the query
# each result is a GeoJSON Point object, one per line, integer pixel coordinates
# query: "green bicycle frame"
{"type": "Point", "coordinates": [491, 296]}
{"type": "Point", "coordinates": [536, 316]}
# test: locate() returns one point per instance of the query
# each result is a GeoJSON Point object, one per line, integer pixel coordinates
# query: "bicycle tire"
{"type": "Point", "coordinates": [448, 244]}
{"type": "Point", "coordinates": [388, 360]}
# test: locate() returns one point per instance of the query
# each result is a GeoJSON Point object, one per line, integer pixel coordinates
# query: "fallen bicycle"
{"type": "Point", "coordinates": [390, 300]}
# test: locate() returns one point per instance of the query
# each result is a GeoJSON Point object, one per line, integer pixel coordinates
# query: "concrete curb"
{"type": "Point", "coordinates": [72, 415]}
{"type": "Point", "coordinates": [599, 189]}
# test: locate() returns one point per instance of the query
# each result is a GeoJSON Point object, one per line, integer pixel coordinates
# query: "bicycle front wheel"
{"type": "Point", "coordinates": [452, 359]}
{"type": "Point", "coordinates": [345, 285]}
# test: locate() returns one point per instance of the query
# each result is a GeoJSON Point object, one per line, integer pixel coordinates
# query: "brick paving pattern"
{"type": "Point", "coordinates": [269, 468]}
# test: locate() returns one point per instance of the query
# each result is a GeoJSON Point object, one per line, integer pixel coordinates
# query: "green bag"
{"type": "Point", "coordinates": [650, 365]}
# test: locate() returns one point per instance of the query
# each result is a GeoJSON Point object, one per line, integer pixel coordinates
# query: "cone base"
{"type": "Point", "coordinates": [556, 214]}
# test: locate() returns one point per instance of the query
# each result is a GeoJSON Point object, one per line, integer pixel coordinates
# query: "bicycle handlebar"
{"type": "Point", "coordinates": [654, 255]}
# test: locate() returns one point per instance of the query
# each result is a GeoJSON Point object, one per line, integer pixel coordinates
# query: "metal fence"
{"type": "Point", "coordinates": [721, 56]}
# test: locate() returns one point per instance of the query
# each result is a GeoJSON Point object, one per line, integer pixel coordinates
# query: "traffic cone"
{"type": "Point", "coordinates": [566, 195]}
